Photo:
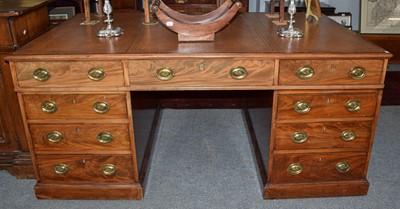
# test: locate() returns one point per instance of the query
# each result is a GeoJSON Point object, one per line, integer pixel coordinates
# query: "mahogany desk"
{"type": "Point", "coordinates": [312, 104]}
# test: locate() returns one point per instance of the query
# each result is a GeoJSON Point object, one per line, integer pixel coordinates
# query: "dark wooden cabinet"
{"type": "Point", "coordinates": [20, 22]}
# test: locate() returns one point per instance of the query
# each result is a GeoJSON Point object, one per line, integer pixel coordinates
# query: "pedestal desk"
{"type": "Point", "coordinates": [91, 104]}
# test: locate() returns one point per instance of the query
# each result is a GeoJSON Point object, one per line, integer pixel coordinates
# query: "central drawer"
{"type": "Point", "coordinates": [75, 106]}
{"type": "Point", "coordinates": [85, 168]}
{"type": "Point", "coordinates": [207, 73]}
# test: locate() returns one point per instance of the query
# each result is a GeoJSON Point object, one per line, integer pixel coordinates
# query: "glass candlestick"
{"type": "Point", "coordinates": [109, 31]}
{"type": "Point", "coordinates": [291, 31]}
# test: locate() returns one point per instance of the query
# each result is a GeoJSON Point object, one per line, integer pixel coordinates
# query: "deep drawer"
{"type": "Point", "coordinates": [207, 73]}
{"type": "Point", "coordinates": [330, 72]}
{"type": "Point", "coordinates": [69, 74]}
{"type": "Point", "coordinates": [76, 137]}
{"type": "Point", "coordinates": [303, 136]}
{"type": "Point", "coordinates": [318, 167]}
{"type": "Point", "coordinates": [327, 105]}
{"type": "Point", "coordinates": [75, 106]}
{"type": "Point", "coordinates": [85, 168]}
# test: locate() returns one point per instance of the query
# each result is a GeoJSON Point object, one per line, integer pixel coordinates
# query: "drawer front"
{"type": "Point", "coordinates": [323, 167]}
{"type": "Point", "coordinates": [75, 106]}
{"type": "Point", "coordinates": [202, 73]}
{"type": "Point", "coordinates": [298, 136]}
{"type": "Point", "coordinates": [296, 72]}
{"type": "Point", "coordinates": [73, 137]}
{"type": "Point", "coordinates": [330, 105]}
{"type": "Point", "coordinates": [85, 168]}
{"type": "Point", "coordinates": [69, 74]}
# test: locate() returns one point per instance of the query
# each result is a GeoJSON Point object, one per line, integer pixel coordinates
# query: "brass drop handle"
{"type": "Point", "coordinates": [105, 137]}
{"type": "Point", "coordinates": [165, 74]}
{"type": "Point", "coordinates": [357, 73]}
{"type": "Point", "coordinates": [294, 169]}
{"type": "Point", "coordinates": [61, 169]}
{"type": "Point", "coordinates": [109, 169]}
{"type": "Point", "coordinates": [49, 107]}
{"type": "Point", "coordinates": [299, 137]}
{"type": "Point", "coordinates": [353, 105]}
{"type": "Point", "coordinates": [343, 167]}
{"type": "Point", "coordinates": [41, 74]}
{"type": "Point", "coordinates": [238, 72]}
{"type": "Point", "coordinates": [302, 107]}
{"type": "Point", "coordinates": [101, 107]}
{"type": "Point", "coordinates": [54, 137]}
{"type": "Point", "coordinates": [96, 74]}
{"type": "Point", "coordinates": [348, 135]}
{"type": "Point", "coordinates": [305, 72]}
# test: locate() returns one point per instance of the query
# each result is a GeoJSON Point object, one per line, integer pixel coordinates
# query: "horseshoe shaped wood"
{"type": "Point", "coordinates": [196, 27]}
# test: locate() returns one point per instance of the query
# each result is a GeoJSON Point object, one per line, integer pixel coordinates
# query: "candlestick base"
{"type": "Point", "coordinates": [294, 33]}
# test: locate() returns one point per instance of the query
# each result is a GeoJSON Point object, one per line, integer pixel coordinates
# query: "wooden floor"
{"type": "Point", "coordinates": [391, 93]}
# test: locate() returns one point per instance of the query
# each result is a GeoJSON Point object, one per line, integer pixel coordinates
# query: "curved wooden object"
{"type": "Point", "coordinates": [196, 27]}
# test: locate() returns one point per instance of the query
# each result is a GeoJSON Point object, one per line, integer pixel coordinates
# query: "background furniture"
{"type": "Point", "coordinates": [20, 22]}
{"type": "Point", "coordinates": [311, 104]}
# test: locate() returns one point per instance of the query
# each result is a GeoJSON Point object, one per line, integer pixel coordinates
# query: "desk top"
{"type": "Point", "coordinates": [248, 34]}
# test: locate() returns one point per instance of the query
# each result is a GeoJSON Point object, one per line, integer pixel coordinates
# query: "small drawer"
{"type": "Point", "coordinates": [75, 106]}
{"type": "Point", "coordinates": [207, 73]}
{"type": "Point", "coordinates": [329, 135]}
{"type": "Point", "coordinates": [69, 74]}
{"type": "Point", "coordinates": [330, 72]}
{"type": "Point", "coordinates": [75, 137]}
{"type": "Point", "coordinates": [329, 105]}
{"type": "Point", "coordinates": [318, 167]}
{"type": "Point", "coordinates": [85, 168]}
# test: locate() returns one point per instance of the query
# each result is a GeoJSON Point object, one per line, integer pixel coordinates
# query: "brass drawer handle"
{"type": "Point", "coordinates": [105, 137]}
{"type": "Point", "coordinates": [96, 74]}
{"type": "Point", "coordinates": [294, 169]}
{"type": "Point", "coordinates": [357, 73]}
{"type": "Point", "coordinates": [180, 1]}
{"type": "Point", "coordinates": [109, 169]}
{"type": "Point", "coordinates": [348, 135]}
{"type": "Point", "coordinates": [353, 105]}
{"type": "Point", "coordinates": [49, 107]}
{"type": "Point", "coordinates": [54, 136]}
{"type": "Point", "coordinates": [299, 137]}
{"type": "Point", "coordinates": [302, 107]}
{"type": "Point", "coordinates": [41, 74]}
{"type": "Point", "coordinates": [238, 72]}
{"type": "Point", "coordinates": [305, 72]}
{"type": "Point", "coordinates": [165, 74]}
{"type": "Point", "coordinates": [61, 169]}
{"type": "Point", "coordinates": [343, 167]}
{"type": "Point", "coordinates": [101, 107]}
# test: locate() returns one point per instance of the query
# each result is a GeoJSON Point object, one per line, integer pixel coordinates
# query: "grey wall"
{"type": "Point", "coordinates": [352, 6]}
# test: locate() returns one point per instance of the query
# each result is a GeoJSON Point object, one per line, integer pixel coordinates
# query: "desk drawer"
{"type": "Point", "coordinates": [318, 167]}
{"type": "Point", "coordinates": [330, 72]}
{"type": "Point", "coordinates": [85, 168]}
{"type": "Point", "coordinates": [201, 73]}
{"type": "Point", "coordinates": [75, 106]}
{"type": "Point", "coordinates": [328, 135]}
{"type": "Point", "coordinates": [327, 105]}
{"type": "Point", "coordinates": [75, 137]}
{"type": "Point", "coordinates": [69, 74]}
